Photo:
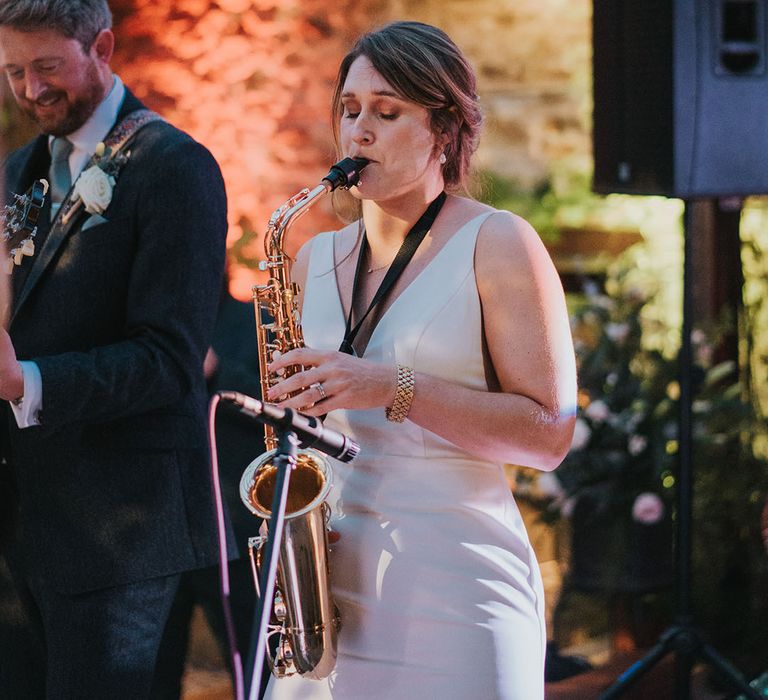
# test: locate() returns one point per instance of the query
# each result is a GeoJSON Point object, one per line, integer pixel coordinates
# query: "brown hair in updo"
{"type": "Point", "coordinates": [424, 66]}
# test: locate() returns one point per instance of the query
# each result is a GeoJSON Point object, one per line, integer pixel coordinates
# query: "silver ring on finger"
{"type": "Point", "coordinates": [320, 390]}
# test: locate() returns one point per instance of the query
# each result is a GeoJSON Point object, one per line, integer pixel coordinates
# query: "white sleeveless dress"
{"type": "Point", "coordinates": [438, 587]}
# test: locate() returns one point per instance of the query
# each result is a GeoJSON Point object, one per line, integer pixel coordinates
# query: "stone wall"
{"type": "Point", "coordinates": [533, 64]}
{"type": "Point", "coordinates": [252, 79]}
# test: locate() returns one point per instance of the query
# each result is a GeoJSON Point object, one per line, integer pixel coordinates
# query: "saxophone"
{"type": "Point", "coordinates": [304, 615]}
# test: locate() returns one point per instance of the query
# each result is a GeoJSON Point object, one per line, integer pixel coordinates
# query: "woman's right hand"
{"type": "Point", "coordinates": [331, 380]}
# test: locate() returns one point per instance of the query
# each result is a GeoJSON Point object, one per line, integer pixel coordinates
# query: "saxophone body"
{"type": "Point", "coordinates": [304, 616]}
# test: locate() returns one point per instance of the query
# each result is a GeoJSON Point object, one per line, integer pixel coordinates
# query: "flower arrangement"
{"type": "Point", "coordinates": [625, 443]}
{"type": "Point", "coordinates": [620, 472]}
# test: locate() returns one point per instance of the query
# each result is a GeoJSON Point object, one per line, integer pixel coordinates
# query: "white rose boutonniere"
{"type": "Point", "coordinates": [94, 187]}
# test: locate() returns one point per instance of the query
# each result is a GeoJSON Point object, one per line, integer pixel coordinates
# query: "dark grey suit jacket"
{"type": "Point", "coordinates": [114, 486]}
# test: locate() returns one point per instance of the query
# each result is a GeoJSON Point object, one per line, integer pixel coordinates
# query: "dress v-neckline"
{"type": "Point", "coordinates": [419, 275]}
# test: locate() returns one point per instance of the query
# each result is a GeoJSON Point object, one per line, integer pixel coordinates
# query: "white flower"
{"type": "Point", "coordinates": [701, 406]}
{"type": "Point", "coordinates": [648, 508]}
{"type": "Point", "coordinates": [581, 433]}
{"type": "Point", "coordinates": [549, 485]}
{"type": "Point", "coordinates": [603, 301]}
{"type": "Point", "coordinates": [598, 411]}
{"type": "Point", "coordinates": [637, 443]}
{"type": "Point", "coordinates": [617, 332]}
{"type": "Point", "coordinates": [569, 504]}
{"type": "Point", "coordinates": [698, 336]}
{"type": "Point", "coordinates": [94, 187]}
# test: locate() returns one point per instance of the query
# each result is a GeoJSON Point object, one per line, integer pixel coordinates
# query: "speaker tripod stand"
{"type": "Point", "coordinates": [682, 638]}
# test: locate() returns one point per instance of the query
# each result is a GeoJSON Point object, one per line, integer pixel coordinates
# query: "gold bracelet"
{"type": "Point", "coordinates": [398, 411]}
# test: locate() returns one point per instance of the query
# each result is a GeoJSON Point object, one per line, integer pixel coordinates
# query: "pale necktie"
{"type": "Point", "coordinates": [61, 178]}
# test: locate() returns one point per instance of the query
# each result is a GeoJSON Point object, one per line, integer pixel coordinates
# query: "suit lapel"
{"type": "Point", "coordinates": [58, 232]}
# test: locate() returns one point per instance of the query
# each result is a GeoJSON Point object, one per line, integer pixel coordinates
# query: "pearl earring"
{"type": "Point", "coordinates": [442, 159]}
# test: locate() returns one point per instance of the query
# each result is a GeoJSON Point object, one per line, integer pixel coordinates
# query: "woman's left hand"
{"type": "Point", "coordinates": [331, 380]}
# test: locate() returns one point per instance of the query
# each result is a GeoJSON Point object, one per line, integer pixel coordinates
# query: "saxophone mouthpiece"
{"type": "Point", "coordinates": [345, 173]}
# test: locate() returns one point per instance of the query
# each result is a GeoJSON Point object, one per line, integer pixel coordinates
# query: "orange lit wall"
{"type": "Point", "coordinates": [252, 80]}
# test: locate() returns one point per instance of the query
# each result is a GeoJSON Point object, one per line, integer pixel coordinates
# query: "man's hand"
{"type": "Point", "coordinates": [11, 376]}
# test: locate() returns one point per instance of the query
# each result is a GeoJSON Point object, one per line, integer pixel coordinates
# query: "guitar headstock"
{"type": "Point", "coordinates": [23, 213]}
{"type": "Point", "coordinates": [21, 217]}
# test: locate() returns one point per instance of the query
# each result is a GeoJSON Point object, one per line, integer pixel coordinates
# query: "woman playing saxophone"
{"type": "Point", "coordinates": [455, 358]}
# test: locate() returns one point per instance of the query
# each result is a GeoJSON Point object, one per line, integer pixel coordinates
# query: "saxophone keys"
{"type": "Point", "coordinates": [286, 652]}
{"type": "Point", "coordinates": [281, 611]}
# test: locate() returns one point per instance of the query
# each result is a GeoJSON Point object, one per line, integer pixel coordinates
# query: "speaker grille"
{"type": "Point", "coordinates": [633, 96]}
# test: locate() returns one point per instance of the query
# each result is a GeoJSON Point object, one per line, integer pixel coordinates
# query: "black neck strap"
{"type": "Point", "coordinates": [407, 250]}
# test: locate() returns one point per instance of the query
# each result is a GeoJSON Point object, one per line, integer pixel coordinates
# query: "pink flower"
{"type": "Point", "coordinates": [648, 508]}
{"type": "Point", "coordinates": [637, 443]}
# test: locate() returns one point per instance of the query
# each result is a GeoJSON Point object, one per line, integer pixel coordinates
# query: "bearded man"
{"type": "Point", "coordinates": [104, 483]}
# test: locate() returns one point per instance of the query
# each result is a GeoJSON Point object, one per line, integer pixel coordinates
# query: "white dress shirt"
{"type": "Point", "coordinates": [84, 141]}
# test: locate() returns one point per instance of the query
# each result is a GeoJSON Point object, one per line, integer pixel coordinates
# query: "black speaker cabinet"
{"type": "Point", "coordinates": [680, 97]}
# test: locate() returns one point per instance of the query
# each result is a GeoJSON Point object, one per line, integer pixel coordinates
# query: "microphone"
{"type": "Point", "coordinates": [310, 430]}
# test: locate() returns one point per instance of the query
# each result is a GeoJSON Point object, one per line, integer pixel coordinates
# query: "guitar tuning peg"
{"type": "Point", "coordinates": [28, 247]}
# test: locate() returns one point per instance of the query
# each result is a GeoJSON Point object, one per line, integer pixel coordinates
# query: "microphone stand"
{"type": "Point", "coordinates": [284, 461]}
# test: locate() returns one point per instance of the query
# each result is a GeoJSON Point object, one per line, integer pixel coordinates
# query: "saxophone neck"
{"type": "Point", "coordinates": [285, 216]}
{"type": "Point", "coordinates": [345, 174]}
